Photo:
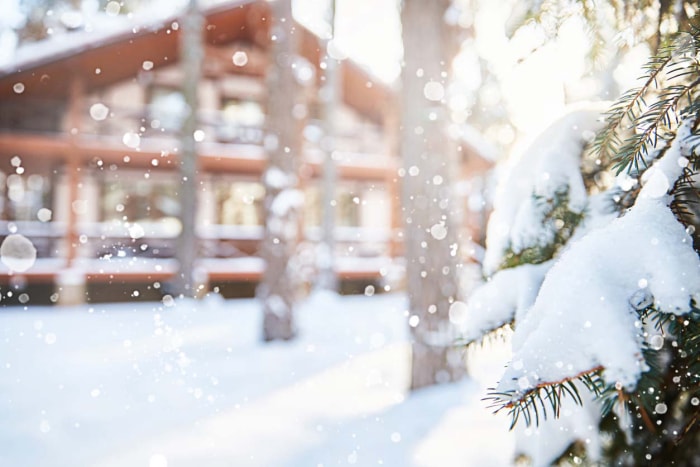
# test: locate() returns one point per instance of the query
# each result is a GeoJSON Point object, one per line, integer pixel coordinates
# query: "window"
{"type": "Point", "coordinates": [241, 121]}
{"type": "Point", "coordinates": [130, 198]}
{"type": "Point", "coordinates": [347, 210]}
{"type": "Point", "coordinates": [239, 203]}
{"type": "Point", "coordinates": [25, 203]}
{"type": "Point", "coordinates": [166, 108]}
{"type": "Point", "coordinates": [23, 197]}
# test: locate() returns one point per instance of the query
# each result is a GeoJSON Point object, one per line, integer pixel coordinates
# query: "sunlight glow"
{"type": "Point", "coordinates": [368, 31]}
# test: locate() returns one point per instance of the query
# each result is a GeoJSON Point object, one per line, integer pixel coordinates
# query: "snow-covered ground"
{"type": "Point", "coordinates": [189, 383]}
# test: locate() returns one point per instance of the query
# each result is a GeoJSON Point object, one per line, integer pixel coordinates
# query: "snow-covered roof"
{"type": "Point", "coordinates": [109, 49]}
{"type": "Point", "coordinates": [101, 28]}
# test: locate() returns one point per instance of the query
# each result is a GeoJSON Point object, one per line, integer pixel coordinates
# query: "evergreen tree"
{"type": "Point", "coordinates": [593, 260]}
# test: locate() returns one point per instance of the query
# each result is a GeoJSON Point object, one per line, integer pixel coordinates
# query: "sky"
{"type": "Point", "coordinates": [539, 76]}
{"type": "Point", "coordinates": [369, 31]}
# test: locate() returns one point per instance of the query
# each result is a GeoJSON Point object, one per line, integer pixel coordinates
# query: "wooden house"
{"type": "Point", "coordinates": [89, 150]}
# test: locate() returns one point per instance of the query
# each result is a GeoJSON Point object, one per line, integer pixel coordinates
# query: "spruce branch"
{"type": "Point", "coordinates": [592, 15]}
{"type": "Point", "coordinates": [608, 140]}
{"type": "Point", "coordinates": [555, 210]}
{"type": "Point", "coordinates": [545, 398]}
{"type": "Point", "coordinates": [670, 71]}
{"type": "Point", "coordinates": [660, 113]}
{"type": "Point", "coordinates": [685, 205]}
{"type": "Point", "coordinates": [645, 415]}
{"type": "Point", "coordinates": [536, 403]}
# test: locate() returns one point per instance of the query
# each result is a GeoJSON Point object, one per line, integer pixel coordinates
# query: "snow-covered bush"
{"type": "Point", "coordinates": [591, 259]}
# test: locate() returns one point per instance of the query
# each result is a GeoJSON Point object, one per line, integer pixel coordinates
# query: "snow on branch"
{"type": "Point", "coordinates": [543, 196]}
{"type": "Point", "coordinates": [585, 322]}
{"type": "Point", "coordinates": [503, 299]}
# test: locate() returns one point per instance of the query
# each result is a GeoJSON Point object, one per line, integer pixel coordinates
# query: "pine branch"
{"type": "Point", "coordinates": [535, 11]}
{"type": "Point", "coordinates": [673, 64]}
{"type": "Point", "coordinates": [645, 417]}
{"type": "Point", "coordinates": [691, 424]}
{"type": "Point", "coordinates": [659, 319]}
{"type": "Point", "coordinates": [590, 12]}
{"type": "Point", "coordinates": [608, 140]}
{"type": "Point", "coordinates": [554, 210]}
{"type": "Point", "coordinates": [659, 113]}
{"type": "Point", "coordinates": [548, 396]}
{"type": "Point", "coordinates": [685, 204]}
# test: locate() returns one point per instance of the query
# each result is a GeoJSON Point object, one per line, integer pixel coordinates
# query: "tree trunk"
{"type": "Point", "coordinates": [429, 162]}
{"type": "Point", "coordinates": [191, 56]}
{"type": "Point", "coordinates": [283, 200]}
{"type": "Point", "coordinates": [329, 96]}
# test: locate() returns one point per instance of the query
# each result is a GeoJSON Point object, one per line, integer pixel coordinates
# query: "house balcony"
{"type": "Point", "coordinates": [78, 165]}
{"type": "Point", "coordinates": [137, 139]}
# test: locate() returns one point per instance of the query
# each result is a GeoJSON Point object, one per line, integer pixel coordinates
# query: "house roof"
{"type": "Point", "coordinates": [117, 51]}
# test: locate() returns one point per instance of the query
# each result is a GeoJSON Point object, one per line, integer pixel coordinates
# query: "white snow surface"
{"type": "Point", "coordinates": [189, 383]}
{"type": "Point", "coordinates": [505, 297]}
{"type": "Point", "coordinates": [551, 164]}
{"type": "Point", "coordinates": [584, 316]}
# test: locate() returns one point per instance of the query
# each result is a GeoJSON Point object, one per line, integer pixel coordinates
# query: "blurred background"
{"type": "Point", "coordinates": [93, 106]}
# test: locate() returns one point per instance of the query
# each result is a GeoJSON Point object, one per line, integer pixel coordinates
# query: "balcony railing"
{"type": "Point", "coordinates": [123, 131]}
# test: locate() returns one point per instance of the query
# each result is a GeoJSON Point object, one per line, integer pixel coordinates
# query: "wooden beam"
{"type": "Point", "coordinates": [72, 155]}
{"type": "Point", "coordinates": [391, 125]}
{"type": "Point", "coordinates": [47, 147]}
